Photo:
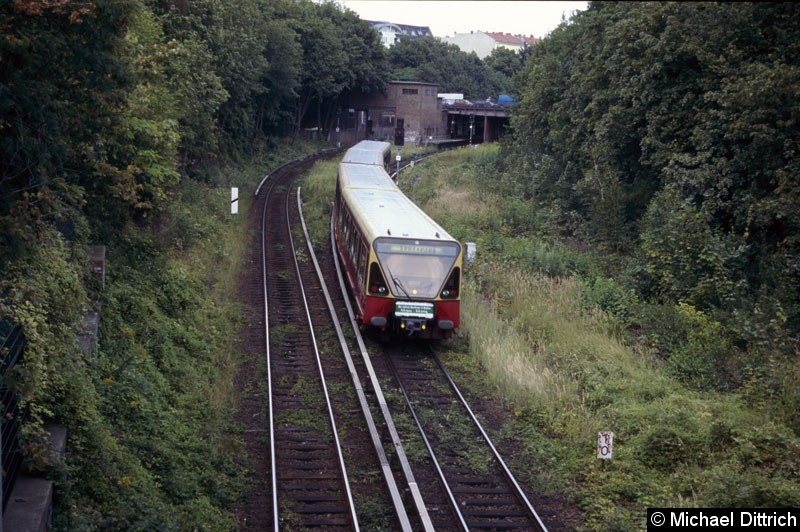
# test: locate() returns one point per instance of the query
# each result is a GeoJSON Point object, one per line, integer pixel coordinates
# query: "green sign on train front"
{"type": "Point", "coordinates": [413, 309]}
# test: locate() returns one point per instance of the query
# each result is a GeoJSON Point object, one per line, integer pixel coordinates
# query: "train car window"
{"type": "Point", "coordinates": [377, 284]}
{"type": "Point", "coordinates": [350, 228]}
{"type": "Point", "coordinates": [416, 268]}
{"type": "Point", "coordinates": [362, 262]}
{"type": "Point", "coordinates": [352, 239]}
{"type": "Point", "coordinates": [452, 286]}
{"type": "Point", "coordinates": [346, 226]}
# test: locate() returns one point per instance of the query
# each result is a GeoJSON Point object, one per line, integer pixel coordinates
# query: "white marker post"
{"type": "Point", "coordinates": [471, 252]}
{"type": "Point", "coordinates": [234, 200]}
{"type": "Point", "coordinates": [605, 445]}
{"type": "Point", "coordinates": [397, 158]}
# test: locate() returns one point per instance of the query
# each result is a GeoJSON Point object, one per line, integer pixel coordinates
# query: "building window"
{"type": "Point", "coordinates": [410, 91]}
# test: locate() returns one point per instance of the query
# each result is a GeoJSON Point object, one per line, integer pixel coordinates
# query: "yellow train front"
{"type": "Point", "coordinates": [403, 269]}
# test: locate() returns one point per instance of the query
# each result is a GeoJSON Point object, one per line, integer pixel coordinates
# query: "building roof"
{"type": "Point", "coordinates": [513, 40]}
{"type": "Point", "coordinates": [530, 40]}
{"type": "Point", "coordinates": [505, 38]}
{"type": "Point", "coordinates": [406, 82]}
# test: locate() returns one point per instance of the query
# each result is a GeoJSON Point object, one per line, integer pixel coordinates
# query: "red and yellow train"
{"type": "Point", "coordinates": [403, 269]}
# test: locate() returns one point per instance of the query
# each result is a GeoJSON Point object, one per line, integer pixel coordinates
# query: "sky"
{"type": "Point", "coordinates": [444, 18]}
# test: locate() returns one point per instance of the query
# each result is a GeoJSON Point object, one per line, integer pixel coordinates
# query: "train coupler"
{"type": "Point", "coordinates": [411, 326]}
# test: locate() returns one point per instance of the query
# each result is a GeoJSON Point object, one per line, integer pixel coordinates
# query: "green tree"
{"type": "Point", "coordinates": [504, 64]}
{"type": "Point", "coordinates": [64, 85]}
{"type": "Point", "coordinates": [452, 70]}
{"type": "Point", "coordinates": [191, 71]}
{"type": "Point", "coordinates": [630, 98]}
{"type": "Point", "coordinates": [324, 72]}
{"type": "Point", "coordinates": [240, 55]}
{"type": "Point", "coordinates": [340, 53]}
{"type": "Point", "coordinates": [282, 79]}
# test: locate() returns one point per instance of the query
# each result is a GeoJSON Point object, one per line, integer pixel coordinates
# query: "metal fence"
{"type": "Point", "coordinates": [12, 343]}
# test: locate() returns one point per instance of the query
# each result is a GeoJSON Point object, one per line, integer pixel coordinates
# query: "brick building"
{"type": "Point", "coordinates": [411, 108]}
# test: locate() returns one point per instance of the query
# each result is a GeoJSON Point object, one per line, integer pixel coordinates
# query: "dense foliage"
{"type": "Point", "coordinates": [112, 114]}
{"type": "Point", "coordinates": [453, 70]}
{"type": "Point", "coordinates": [669, 131]}
{"type": "Point", "coordinates": [113, 100]}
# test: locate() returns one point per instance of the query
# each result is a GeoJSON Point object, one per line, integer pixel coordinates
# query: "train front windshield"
{"type": "Point", "coordinates": [416, 268]}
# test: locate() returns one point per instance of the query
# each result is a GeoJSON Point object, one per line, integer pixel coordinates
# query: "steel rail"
{"type": "Point", "coordinates": [331, 417]}
{"type": "Point", "coordinates": [453, 503]}
{"type": "Point", "coordinates": [397, 500]}
{"type": "Point", "coordinates": [520, 494]}
{"type": "Point", "coordinates": [271, 415]}
{"type": "Point", "coordinates": [416, 494]}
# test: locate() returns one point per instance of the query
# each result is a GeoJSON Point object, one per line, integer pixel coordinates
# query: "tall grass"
{"type": "Point", "coordinates": [318, 186]}
{"type": "Point", "coordinates": [515, 366]}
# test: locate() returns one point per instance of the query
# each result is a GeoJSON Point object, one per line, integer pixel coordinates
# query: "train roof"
{"type": "Point", "coordinates": [365, 176]}
{"type": "Point", "coordinates": [380, 207]}
{"type": "Point", "coordinates": [367, 152]}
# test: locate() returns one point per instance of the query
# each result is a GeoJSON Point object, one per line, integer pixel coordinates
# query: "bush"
{"type": "Point", "coordinates": [689, 260]}
{"type": "Point", "coordinates": [607, 294]}
{"type": "Point", "coordinates": [730, 486]}
{"type": "Point", "coordinates": [695, 346]}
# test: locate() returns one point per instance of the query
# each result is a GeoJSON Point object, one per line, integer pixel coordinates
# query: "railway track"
{"type": "Point", "coordinates": [460, 495]}
{"type": "Point", "coordinates": [312, 460]}
{"type": "Point", "coordinates": [470, 474]}
{"type": "Point", "coordinates": [309, 483]}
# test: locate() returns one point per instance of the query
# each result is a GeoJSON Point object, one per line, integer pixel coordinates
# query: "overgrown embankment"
{"type": "Point", "coordinates": [151, 442]}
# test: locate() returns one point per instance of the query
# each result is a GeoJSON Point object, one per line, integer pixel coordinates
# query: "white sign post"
{"type": "Point", "coordinates": [471, 252]}
{"type": "Point", "coordinates": [234, 200]}
{"type": "Point", "coordinates": [605, 444]}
